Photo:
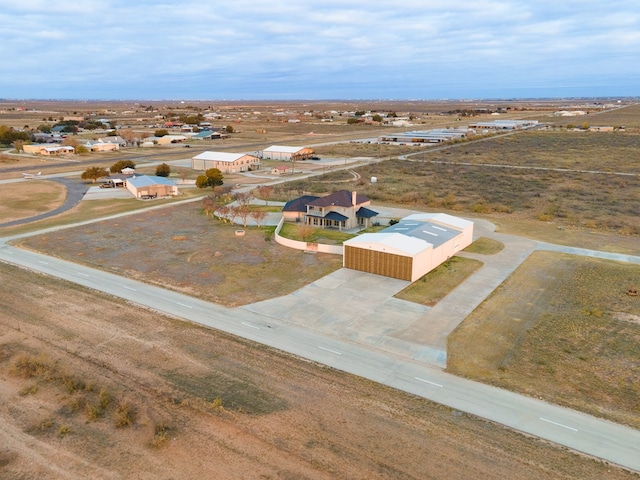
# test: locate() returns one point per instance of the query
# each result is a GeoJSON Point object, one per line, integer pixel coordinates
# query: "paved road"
{"type": "Point", "coordinates": [578, 431]}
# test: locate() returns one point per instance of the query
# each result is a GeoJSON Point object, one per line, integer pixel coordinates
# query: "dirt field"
{"type": "Point", "coordinates": [91, 387]}
{"type": "Point", "coordinates": [182, 249]}
{"type": "Point", "coordinates": [562, 328]}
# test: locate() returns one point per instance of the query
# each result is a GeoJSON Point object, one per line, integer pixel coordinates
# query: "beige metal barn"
{"type": "Point", "coordinates": [411, 248]}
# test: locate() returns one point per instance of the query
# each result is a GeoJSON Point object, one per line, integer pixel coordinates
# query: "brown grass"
{"type": "Point", "coordinates": [183, 249]}
{"type": "Point", "coordinates": [556, 329]}
{"type": "Point", "coordinates": [439, 282]}
{"type": "Point", "coordinates": [282, 418]}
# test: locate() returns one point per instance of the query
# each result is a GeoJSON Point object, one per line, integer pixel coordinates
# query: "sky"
{"type": "Point", "coordinates": [318, 49]}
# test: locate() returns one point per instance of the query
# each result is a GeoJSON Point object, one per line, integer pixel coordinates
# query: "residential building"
{"type": "Point", "coordinates": [340, 210]}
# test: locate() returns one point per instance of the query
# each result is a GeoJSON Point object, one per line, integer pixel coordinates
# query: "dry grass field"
{"type": "Point", "coordinates": [20, 202]}
{"type": "Point", "coordinates": [92, 387]}
{"type": "Point", "coordinates": [183, 249]}
{"type": "Point", "coordinates": [561, 328]}
{"type": "Point", "coordinates": [530, 201]}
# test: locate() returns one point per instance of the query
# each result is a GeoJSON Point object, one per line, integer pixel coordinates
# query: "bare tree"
{"type": "Point", "coordinates": [265, 192]}
{"type": "Point", "coordinates": [258, 216]}
{"type": "Point", "coordinates": [243, 198]}
{"type": "Point", "coordinates": [243, 212]}
{"type": "Point", "coordinates": [305, 231]}
{"type": "Point", "coordinates": [223, 212]}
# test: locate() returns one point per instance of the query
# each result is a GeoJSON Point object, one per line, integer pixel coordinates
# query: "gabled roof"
{"type": "Point", "coordinates": [148, 180]}
{"type": "Point", "coordinates": [221, 156]}
{"type": "Point", "coordinates": [341, 198]}
{"type": "Point", "coordinates": [298, 204]}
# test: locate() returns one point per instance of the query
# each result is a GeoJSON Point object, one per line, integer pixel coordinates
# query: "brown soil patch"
{"type": "Point", "coordinates": [207, 405]}
{"type": "Point", "coordinates": [561, 328]}
{"type": "Point", "coordinates": [176, 247]}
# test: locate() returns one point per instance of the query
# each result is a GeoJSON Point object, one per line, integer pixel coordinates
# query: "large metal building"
{"type": "Point", "coordinates": [411, 248]}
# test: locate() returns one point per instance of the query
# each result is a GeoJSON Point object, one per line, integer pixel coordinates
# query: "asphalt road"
{"type": "Point", "coordinates": [615, 443]}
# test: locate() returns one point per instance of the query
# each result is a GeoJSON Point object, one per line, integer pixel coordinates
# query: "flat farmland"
{"type": "Point", "coordinates": [465, 180]}
{"type": "Point", "coordinates": [562, 328]}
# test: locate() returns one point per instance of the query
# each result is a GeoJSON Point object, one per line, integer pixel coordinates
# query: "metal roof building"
{"type": "Point", "coordinates": [411, 248]}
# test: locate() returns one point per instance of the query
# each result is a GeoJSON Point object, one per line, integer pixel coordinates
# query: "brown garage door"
{"type": "Point", "coordinates": [380, 263]}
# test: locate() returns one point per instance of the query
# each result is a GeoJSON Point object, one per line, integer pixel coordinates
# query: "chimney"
{"type": "Point", "coordinates": [353, 198]}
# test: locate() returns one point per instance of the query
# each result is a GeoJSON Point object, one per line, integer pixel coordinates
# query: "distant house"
{"type": "Point", "coordinates": [101, 146]}
{"type": "Point", "coordinates": [280, 152]}
{"type": "Point", "coordinates": [206, 135]}
{"type": "Point", "coordinates": [48, 151]}
{"type": "Point", "coordinates": [280, 170]}
{"type": "Point", "coordinates": [169, 139]}
{"type": "Point", "coordinates": [225, 162]}
{"type": "Point", "coordinates": [143, 185]}
{"type": "Point", "coordinates": [114, 139]}
{"type": "Point", "coordinates": [411, 248]}
{"type": "Point", "coordinates": [340, 210]}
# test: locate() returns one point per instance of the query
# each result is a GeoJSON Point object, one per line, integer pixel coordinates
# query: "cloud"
{"type": "Point", "coordinates": [314, 48]}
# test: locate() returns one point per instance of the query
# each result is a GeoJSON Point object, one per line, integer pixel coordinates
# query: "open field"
{"type": "Point", "coordinates": [183, 249]}
{"type": "Point", "coordinates": [535, 199]}
{"type": "Point", "coordinates": [92, 387]}
{"type": "Point", "coordinates": [561, 328]}
{"type": "Point", "coordinates": [16, 201]}
{"type": "Point", "coordinates": [90, 210]}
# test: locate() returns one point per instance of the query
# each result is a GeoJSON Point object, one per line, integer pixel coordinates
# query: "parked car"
{"type": "Point", "coordinates": [107, 185]}
{"type": "Point", "coordinates": [314, 157]}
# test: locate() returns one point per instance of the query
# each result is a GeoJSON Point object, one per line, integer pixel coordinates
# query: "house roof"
{"type": "Point", "coordinates": [298, 204]}
{"type": "Point", "coordinates": [148, 180]}
{"type": "Point", "coordinates": [336, 216]}
{"type": "Point", "coordinates": [221, 156]}
{"type": "Point", "coordinates": [205, 134]}
{"type": "Point", "coordinates": [341, 198]}
{"type": "Point", "coordinates": [365, 213]}
{"type": "Point", "coordinates": [283, 149]}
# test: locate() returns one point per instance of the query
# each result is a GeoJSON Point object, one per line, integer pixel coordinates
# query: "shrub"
{"type": "Point", "coordinates": [123, 415]}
